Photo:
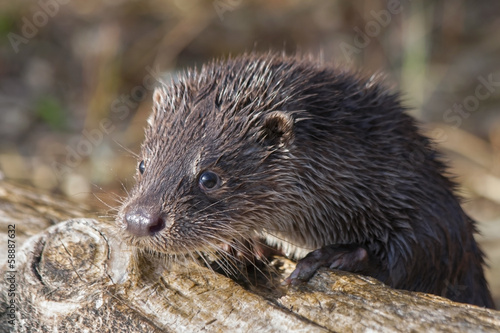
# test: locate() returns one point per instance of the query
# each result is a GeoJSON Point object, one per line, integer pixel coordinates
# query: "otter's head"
{"type": "Point", "coordinates": [211, 168]}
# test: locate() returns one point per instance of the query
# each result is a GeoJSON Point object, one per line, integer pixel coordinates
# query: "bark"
{"type": "Point", "coordinates": [76, 276]}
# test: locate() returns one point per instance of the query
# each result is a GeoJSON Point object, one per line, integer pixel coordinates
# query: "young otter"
{"type": "Point", "coordinates": [309, 158]}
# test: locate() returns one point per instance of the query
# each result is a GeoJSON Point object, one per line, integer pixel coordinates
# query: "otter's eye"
{"type": "Point", "coordinates": [142, 167]}
{"type": "Point", "coordinates": [209, 180]}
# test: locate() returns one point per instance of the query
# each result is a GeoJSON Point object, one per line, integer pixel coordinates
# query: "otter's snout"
{"type": "Point", "coordinates": [141, 223]}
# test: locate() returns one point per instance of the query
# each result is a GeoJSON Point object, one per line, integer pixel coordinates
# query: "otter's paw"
{"type": "Point", "coordinates": [351, 258]}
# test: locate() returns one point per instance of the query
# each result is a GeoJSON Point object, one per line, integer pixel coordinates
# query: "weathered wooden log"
{"type": "Point", "coordinates": [76, 276]}
{"type": "Point", "coordinates": [31, 211]}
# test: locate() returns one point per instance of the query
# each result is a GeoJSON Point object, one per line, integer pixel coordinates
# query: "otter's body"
{"type": "Point", "coordinates": [307, 157]}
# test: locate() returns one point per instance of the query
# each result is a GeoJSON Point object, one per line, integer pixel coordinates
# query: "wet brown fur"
{"type": "Point", "coordinates": [308, 156]}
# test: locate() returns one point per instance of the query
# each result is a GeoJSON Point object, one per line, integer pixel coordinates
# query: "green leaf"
{"type": "Point", "coordinates": [50, 111]}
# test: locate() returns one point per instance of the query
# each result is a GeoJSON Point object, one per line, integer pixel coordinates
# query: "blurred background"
{"type": "Point", "coordinates": [76, 79]}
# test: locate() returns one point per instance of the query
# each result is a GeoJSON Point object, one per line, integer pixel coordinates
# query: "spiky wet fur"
{"type": "Point", "coordinates": [349, 168]}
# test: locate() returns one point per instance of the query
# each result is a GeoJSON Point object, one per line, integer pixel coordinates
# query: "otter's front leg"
{"type": "Point", "coordinates": [352, 258]}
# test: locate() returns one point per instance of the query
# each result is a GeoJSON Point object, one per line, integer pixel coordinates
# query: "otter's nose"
{"type": "Point", "coordinates": [142, 223]}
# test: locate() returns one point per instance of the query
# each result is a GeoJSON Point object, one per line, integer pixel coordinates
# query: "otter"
{"type": "Point", "coordinates": [322, 164]}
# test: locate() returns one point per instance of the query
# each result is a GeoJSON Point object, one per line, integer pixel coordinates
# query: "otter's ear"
{"type": "Point", "coordinates": [159, 102]}
{"type": "Point", "coordinates": [277, 129]}
{"type": "Point", "coordinates": [159, 96]}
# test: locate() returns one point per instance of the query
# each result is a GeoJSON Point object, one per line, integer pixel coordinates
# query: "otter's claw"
{"type": "Point", "coordinates": [351, 258]}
